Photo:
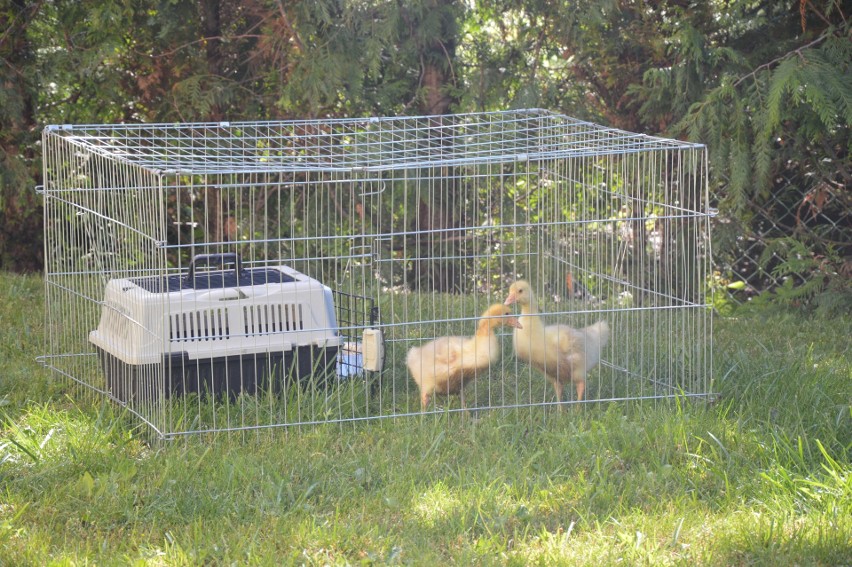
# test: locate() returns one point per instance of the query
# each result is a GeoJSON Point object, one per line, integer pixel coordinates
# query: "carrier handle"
{"type": "Point", "coordinates": [215, 259]}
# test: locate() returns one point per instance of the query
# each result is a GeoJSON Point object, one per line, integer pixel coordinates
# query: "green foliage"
{"type": "Point", "coordinates": [20, 211]}
{"type": "Point", "coordinates": [819, 281]}
{"type": "Point", "coordinates": [775, 116]}
{"type": "Point", "coordinates": [368, 58]}
{"type": "Point", "coordinates": [765, 84]}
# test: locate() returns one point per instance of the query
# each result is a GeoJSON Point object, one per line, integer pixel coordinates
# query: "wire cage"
{"type": "Point", "coordinates": [169, 248]}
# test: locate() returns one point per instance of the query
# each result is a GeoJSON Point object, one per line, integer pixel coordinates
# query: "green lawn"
{"type": "Point", "coordinates": [761, 476]}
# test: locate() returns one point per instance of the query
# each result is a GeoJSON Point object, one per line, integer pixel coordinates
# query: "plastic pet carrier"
{"type": "Point", "coordinates": [220, 329]}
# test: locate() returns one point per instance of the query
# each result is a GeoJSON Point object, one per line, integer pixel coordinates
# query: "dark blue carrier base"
{"type": "Point", "coordinates": [227, 375]}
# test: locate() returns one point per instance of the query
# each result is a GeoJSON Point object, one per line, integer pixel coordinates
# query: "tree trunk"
{"type": "Point", "coordinates": [435, 211]}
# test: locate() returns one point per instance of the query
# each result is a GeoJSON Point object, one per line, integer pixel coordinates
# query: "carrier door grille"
{"type": "Point", "coordinates": [206, 325]}
{"type": "Point", "coordinates": [116, 322]}
{"type": "Point", "coordinates": [273, 318]}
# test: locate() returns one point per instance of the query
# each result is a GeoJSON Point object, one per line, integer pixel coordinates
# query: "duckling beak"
{"type": "Point", "coordinates": [514, 322]}
{"type": "Point", "coordinates": [511, 299]}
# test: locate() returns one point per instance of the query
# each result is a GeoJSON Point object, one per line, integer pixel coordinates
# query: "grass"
{"type": "Point", "coordinates": [761, 476]}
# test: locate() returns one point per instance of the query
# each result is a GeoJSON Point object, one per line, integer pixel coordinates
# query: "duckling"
{"type": "Point", "coordinates": [446, 364]}
{"type": "Point", "coordinates": [563, 354]}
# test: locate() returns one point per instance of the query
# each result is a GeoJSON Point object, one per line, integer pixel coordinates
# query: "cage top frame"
{"type": "Point", "coordinates": [356, 144]}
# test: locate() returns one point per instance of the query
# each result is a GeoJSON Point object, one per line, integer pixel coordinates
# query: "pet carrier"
{"type": "Point", "coordinates": [227, 331]}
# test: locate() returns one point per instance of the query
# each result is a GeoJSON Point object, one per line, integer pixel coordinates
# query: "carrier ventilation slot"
{"type": "Point", "coordinates": [209, 325]}
{"type": "Point", "coordinates": [273, 318]}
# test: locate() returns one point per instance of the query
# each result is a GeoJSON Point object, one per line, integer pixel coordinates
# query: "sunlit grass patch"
{"type": "Point", "coordinates": [760, 475]}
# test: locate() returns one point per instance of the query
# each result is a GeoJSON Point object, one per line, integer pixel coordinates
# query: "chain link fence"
{"type": "Point", "coordinates": [787, 238]}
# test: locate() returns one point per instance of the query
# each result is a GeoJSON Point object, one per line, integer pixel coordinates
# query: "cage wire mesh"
{"type": "Point", "coordinates": [234, 276]}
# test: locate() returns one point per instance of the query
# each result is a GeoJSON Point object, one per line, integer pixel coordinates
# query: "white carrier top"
{"type": "Point", "coordinates": [210, 314]}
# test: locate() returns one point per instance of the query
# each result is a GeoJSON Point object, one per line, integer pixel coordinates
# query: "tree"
{"type": "Point", "coordinates": [384, 58]}
{"type": "Point", "coordinates": [20, 228]}
{"type": "Point", "coordinates": [776, 117]}
{"type": "Point", "coordinates": [87, 61]}
{"type": "Point", "coordinates": [774, 113]}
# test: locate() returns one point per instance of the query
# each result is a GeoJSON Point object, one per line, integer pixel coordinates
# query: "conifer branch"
{"type": "Point", "coordinates": [293, 33]}
{"type": "Point", "coordinates": [798, 51]}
